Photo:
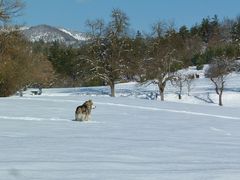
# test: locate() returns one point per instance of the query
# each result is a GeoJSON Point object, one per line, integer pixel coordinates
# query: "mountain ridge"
{"type": "Point", "coordinates": [49, 33]}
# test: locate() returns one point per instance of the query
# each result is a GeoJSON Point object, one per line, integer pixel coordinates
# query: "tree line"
{"type": "Point", "coordinates": [20, 65]}
{"type": "Point", "coordinates": [112, 54]}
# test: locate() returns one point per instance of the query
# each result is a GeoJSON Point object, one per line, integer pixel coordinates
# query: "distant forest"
{"type": "Point", "coordinates": [111, 54]}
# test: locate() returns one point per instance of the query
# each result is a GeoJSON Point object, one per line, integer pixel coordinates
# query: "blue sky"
{"type": "Point", "coordinates": [142, 13]}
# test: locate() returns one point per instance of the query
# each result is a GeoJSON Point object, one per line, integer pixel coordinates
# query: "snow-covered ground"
{"type": "Point", "coordinates": [128, 138]}
{"type": "Point", "coordinates": [201, 91]}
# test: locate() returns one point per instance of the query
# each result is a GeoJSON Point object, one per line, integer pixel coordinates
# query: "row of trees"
{"type": "Point", "coordinates": [20, 65]}
{"type": "Point", "coordinates": [111, 54]}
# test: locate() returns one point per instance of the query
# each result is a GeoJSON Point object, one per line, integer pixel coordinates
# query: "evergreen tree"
{"type": "Point", "coordinates": [209, 30]}
{"type": "Point", "coordinates": [137, 56]}
{"type": "Point", "coordinates": [184, 32]}
{"type": "Point", "coordinates": [236, 31]}
{"type": "Point", "coordinates": [68, 62]}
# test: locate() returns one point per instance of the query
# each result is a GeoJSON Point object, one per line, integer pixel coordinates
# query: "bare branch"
{"type": "Point", "coordinates": [10, 9]}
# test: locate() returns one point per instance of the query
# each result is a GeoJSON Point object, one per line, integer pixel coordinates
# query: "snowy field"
{"type": "Point", "coordinates": [128, 138]}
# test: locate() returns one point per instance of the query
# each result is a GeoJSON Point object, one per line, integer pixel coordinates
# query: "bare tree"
{"type": "Point", "coordinates": [19, 66]}
{"type": "Point", "coordinates": [189, 81]}
{"type": "Point", "coordinates": [217, 72]}
{"type": "Point", "coordinates": [178, 81]}
{"type": "Point", "coordinates": [108, 47]}
{"type": "Point", "coordinates": [162, 61]}
{"type": "Point", "coordinates": [96, 28]}
{"type": "Point", "coordinates": [10, 9]}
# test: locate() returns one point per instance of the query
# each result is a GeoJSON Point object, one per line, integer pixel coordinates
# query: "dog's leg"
{"type": "Point", "coordinates": [82, 117]}
{"type": "Point", "coordinates": [85, 117]}
{"type": "Point", "coordinates": [89, 117]}
{"type": "Point", "coordinates": [79, 117]}
{"type": "Point", "coordinates": [76, 117]}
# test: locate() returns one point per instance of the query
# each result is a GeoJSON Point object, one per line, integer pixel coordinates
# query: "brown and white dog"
{"type": "Point", "coordinates": [83, 112]}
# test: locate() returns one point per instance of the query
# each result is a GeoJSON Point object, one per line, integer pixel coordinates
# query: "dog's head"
{"type": "Point", "coordinates": [89, 104]}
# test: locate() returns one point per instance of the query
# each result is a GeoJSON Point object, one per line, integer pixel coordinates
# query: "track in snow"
{"type": "Point", "coordinates": [143, 108]}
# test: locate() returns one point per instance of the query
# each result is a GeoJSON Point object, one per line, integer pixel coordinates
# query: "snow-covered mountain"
{"type": "Point", "coordinates": [49, 34]}
{"type": "Point", "coordinates": [77, 35]}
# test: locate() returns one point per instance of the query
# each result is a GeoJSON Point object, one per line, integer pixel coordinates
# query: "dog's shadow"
{"type": "Point", "coordinates": [79, 121]}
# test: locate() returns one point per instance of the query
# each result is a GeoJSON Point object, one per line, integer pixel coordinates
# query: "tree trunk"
{"type": "Point", "coordinates": [188, 90]}
{"type": "Point", "coordinates": [180, 91]}
{"type": "Point", "coordinates": [112, 86]}
{"type": "Point", "coordinates": [179, 96]}
{"type": "Point", "coordinates": [162, 95]}
{"type": "Point", "coordinates": [220, 98]}
{"type": "Point", "coordinates": [161, 87]}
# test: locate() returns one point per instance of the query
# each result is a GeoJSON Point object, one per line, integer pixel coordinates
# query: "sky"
{"type": "Point", "coordinates": [72, 14]}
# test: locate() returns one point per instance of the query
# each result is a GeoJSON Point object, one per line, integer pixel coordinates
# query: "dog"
{"type": "Point", "coordinates": [83, 112]}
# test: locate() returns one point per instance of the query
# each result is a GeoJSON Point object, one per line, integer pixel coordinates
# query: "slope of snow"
{"type": "Point", "coordinates": [126, 139]}
{"type": "Point", "coordinates": [49, 34]}
{"type": "Point", "coordinates": [76, 35]}
{"type": "Point", "coordinates": [202, 91]}
{"type": "Point", "coordinates": [129, 137]}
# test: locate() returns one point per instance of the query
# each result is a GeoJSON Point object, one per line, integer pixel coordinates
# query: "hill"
{"type": "Point", "coordinates": [49, 34]}
{"type": "Point", "coordinates": [127, 138]}
{"type": "Point", "coordinates": [202, 90]}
